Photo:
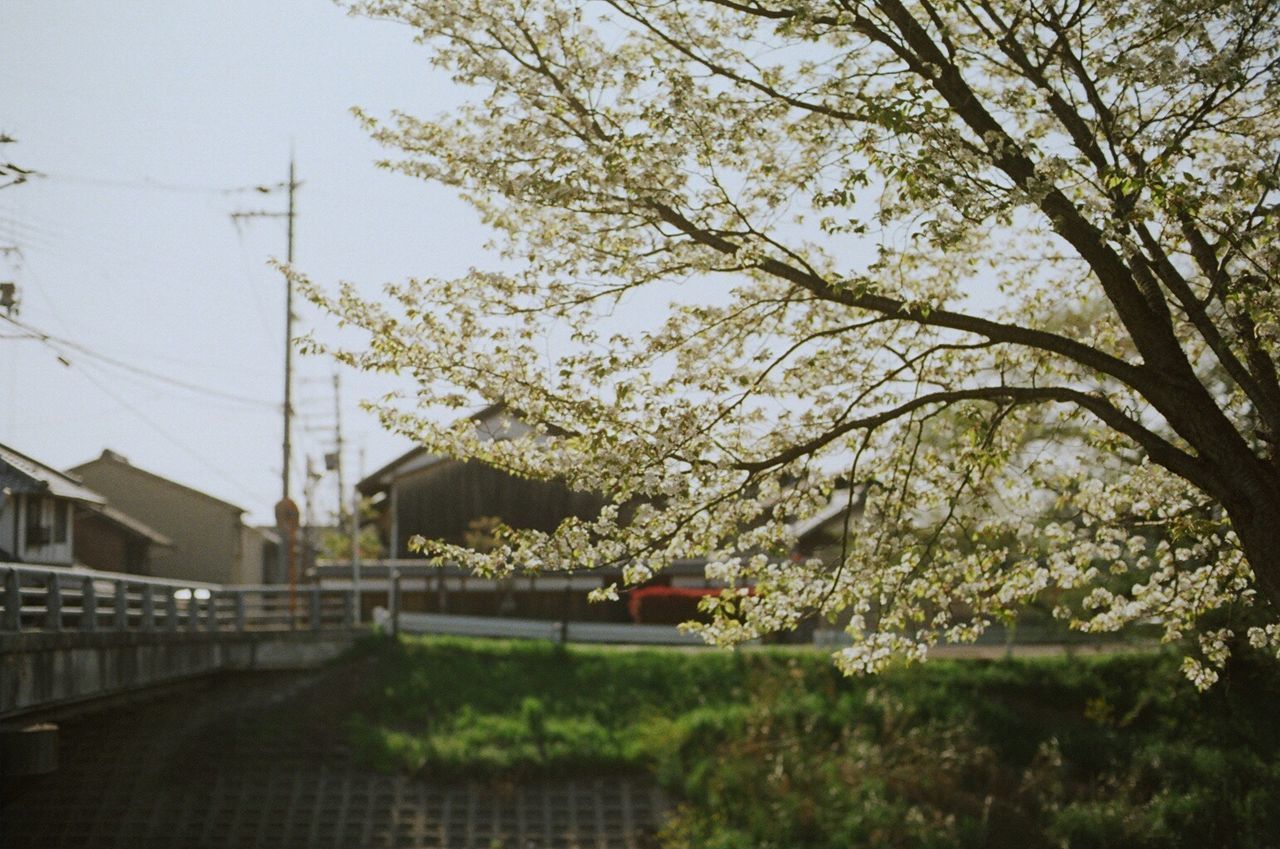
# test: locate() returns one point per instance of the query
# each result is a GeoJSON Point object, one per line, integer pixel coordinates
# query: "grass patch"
{"type": "Point", "coordinates": [773, 747]}
{"type": "Point", "coordinates": [474, 708]}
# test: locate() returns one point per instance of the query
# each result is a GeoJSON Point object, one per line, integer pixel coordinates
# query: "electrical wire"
{"type": "Point", "coordinates": [151, 184]}
{"type": "Point", "coordinates": [54, 341]}
{"type": "Point", "coordinates": [147, 420]}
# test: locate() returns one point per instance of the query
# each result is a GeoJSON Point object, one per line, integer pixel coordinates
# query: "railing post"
{"type": "Point", "coordinates": [314, 603]}
{"type": "Point", "coordinates": [349, 608]}
{"type": "Point", "coordinates": [12, 601]}
{"type": "Point", "coordinates": [88, 605]}
{"type": "Point", "coordinates": [564, 612]}
{"type": "Point", "coordinates": [393, 602]}
{"type": "Point", "coordinates": [239, 600]}
{"type": "Point", "coordinates": [122, 605]}
{"type": "Point", "coordinates": [170, 610]}
{"type": "Point", "coordinates": [213, 610]}
{"type": "Point", "coordinates": [193, 611]}
{"type": "Point", "coordinates": [53, 602]}
{"type": "Point", "coordinates": [148, 608]}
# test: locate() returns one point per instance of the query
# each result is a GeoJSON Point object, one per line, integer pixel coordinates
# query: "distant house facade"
{"type": "Point", "coordinates": [260, 555]}
{"type": "Point", "coordinates": [209, 540]}
{"type": "Point", "coordinates": [440, 498]}
{"type": "Point", "coordinates": [37, 506]}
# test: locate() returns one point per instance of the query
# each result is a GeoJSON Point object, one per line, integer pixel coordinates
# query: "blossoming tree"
{"type": "Point", "coordinates": [1010, 265]}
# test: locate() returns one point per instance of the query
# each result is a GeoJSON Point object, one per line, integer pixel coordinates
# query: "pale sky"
{"type": "Point", "coordinates": [144, 114]}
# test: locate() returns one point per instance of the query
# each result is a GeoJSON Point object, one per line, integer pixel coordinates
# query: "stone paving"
{"type": "Point", "coordinates": [260, 762]}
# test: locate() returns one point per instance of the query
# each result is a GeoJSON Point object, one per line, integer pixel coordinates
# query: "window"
{"type": "Point", "coordinates": [37, 530]}
{"type": "Point", "coordinates": [61, 515]}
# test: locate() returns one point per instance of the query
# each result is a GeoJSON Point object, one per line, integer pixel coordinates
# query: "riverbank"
{"type": "Point", "coordinates": [772, 747]}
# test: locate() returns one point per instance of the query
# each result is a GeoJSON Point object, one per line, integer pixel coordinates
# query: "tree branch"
{"type": "Point", "coordinates": [1158, 449]}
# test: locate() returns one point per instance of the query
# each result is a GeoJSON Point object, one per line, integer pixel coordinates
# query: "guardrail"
{"type": "Point", "coordinates": [684, 572]}
{"type": "Point", "coordinates": [534, 629]}
{"type": "Point", "coordinates": [49, 599]}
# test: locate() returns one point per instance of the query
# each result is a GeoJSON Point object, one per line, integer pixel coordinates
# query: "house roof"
{"type": "Point", "coordinates": [267, 532]}
{"type": "Point", "coordinates": [416, 458]}
{"type": "Point", "coordinates": [841, 503]}
{"type": "Point", "coordinates": [119, 460]}
{"type": "Point", "coordinates": [20, 473]}
{"type": "Point", "coordinates": [129, 524]}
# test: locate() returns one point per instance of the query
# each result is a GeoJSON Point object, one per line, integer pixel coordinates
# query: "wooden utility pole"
{"type": "Point", "coordinates": [286, 509]}
{"type": "Point", "coordinates": [337, 446]}
{"type": "Point", "coordinates": [355, 541]}
{"type": "Point", "coordinates": [288, 342]}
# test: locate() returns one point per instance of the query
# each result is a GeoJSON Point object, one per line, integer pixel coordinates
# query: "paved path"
{"type": "Point", "coordinates": [253, 761]}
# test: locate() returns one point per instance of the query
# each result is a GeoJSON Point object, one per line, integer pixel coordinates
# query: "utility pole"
{"type": "Point", "coordinates": [288, 342]}
{"type": "Point", "coordinates": [337, 446]}
{"type": "Point", "coordinates": [351, 516]}
{"type": "Point", "coordinates": [9, 288]}
{"type": "Point", "coordinates": [287, 514]}
{"type": "Point", "coordinates": [309, 515]}
{"type": "Point", "coordinates": [355, 543]}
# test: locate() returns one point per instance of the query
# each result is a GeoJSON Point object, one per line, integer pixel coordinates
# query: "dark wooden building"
{"type": "Point", "coordinates": [441, 498]}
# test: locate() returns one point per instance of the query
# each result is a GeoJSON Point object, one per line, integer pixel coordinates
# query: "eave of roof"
{"type": "Point", "coordinates": [129, 524]}
{"type": "Point", "coordinates": [379, 479]}
{"type": "Point", "coordinates": [837, 507]}
{"type": "Point", "coordinates": [120, 462]}
{"type": "Point", "coordinates": [25, 474]}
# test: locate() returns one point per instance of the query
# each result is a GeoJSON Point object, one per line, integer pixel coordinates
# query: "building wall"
{"type": "Point", "coordinates": [100, 544]}
{"type": "Point", "coordinates": [205, 532]}
{"type": "Point", "coordinates": [440, 502]}
{"type": "Point", "coordinates": [258, 557]}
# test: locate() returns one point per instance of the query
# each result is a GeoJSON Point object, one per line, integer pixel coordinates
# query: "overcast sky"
{"type": "Point", "coordinates": [146, 116]}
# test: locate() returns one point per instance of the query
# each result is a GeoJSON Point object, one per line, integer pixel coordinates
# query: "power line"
{"type": "Point", "coordinates": [51, 343]}
{"type": "Point", "coordinates": [147, 420]}
{"type": "Point", "coordinates": [54, 341]}
{"type": "Point", "coordinates": [151, 184]}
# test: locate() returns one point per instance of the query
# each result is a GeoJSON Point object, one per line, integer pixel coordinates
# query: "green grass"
{"type": "Point", "coordinates": [773, 747]}
{"type": "Point", "coordinates": [456, 707]}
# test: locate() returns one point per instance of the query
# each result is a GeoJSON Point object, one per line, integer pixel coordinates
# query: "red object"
{"type": "Point", "coordinates": [667, 605]}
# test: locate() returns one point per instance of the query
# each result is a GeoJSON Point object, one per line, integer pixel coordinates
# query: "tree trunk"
{"type": "Point", "coordinates": [1258, 527]}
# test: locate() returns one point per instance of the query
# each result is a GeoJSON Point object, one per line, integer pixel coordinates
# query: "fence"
{"type": "Point", "coordinates": [41, 598]}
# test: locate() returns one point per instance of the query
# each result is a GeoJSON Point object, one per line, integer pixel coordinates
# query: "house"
{"type": "Point", "coordinates": [440, 498]}
{"type": "Point", "coordinates": [436, 497]}
{"type": "Point", "coordinates": [821, 535]}
{"type": "Point", "coordinates": [111, 540]}
{"type": "Point", "coordinates": [209, 539]}
{"type": "Point", "coordinates": [261, 554]}
{"type": "Point", "coordinates": [37, 503]}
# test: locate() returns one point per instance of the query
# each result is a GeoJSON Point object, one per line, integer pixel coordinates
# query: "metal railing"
{"type": "Point", "coordinates": [50, 599]}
